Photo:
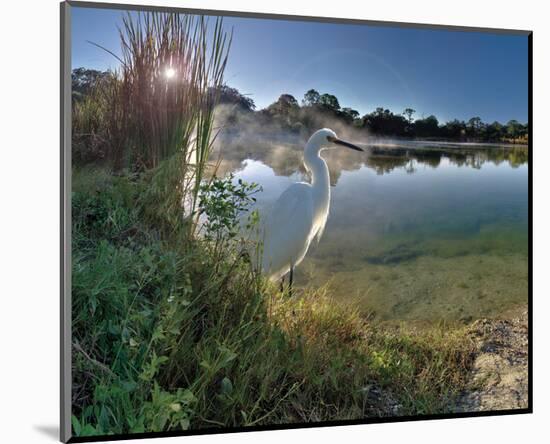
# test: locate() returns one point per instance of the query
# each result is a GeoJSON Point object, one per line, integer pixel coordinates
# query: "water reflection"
{"type": "Point", "coordinates": [285, 158]}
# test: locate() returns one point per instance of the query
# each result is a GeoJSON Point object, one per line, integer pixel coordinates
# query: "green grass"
{"type": "Point", "coordinates": [170, 334]}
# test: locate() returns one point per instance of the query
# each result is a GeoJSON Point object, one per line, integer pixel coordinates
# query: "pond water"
{"type": "Point", "coordinates": [416, 231]}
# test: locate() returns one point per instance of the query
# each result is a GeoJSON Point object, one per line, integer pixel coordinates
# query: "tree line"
{"type": "Point", "coordinates": [381, 121]}
{"type": "Point", "coordinates": [316, 109]}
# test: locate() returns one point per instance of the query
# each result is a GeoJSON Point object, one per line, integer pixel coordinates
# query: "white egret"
{"type": "Point", "coordinates": [300, 213]}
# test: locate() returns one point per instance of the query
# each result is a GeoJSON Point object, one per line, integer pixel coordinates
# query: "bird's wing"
{"type": "Point", "coordinates": [293, 208]}
{"type": "Point", "coordinates": [288, 228]}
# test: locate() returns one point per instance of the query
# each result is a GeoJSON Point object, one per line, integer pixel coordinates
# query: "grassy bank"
{"type": "Point", "coordinates": [172, 332]}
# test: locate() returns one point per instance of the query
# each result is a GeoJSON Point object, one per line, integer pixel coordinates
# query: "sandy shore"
{"type": "Point", "coordinates": [499, 377]}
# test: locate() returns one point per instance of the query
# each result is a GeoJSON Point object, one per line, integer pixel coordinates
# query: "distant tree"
{"type": "Point", "coordinates": [494, 131]}
{"type": "Point", "coordinates": [311, 98]}
{"type": "Point", "coordinates": [475, 123]}
{"type": "Point", "coordinates": [284, 105]}
{"type": "Point", "coordinates": [330, 102]}
{"type": "Point", "coordinates": [514, 129]}
{"type": "Point", "coordinates": [83, 80]}
{"type": "Point", "coordinates": [524, 130]}
{"type": "Point", "coordinates": [349, 114]}
{"type": "Point", "coordinates": [408, 112]}
{"type": "Point", "coordinates": [288, 99]}
{"type": "Point", "coordinates": [234, 97]}
{"type": "Point", "coordinates": [454, 129]}
{"type": "Point", "coordinates": [474, 127]}
{"type": "Point", "coordinates": [428, 127]}
{"type": "Point", "coordinates": [384, 122]}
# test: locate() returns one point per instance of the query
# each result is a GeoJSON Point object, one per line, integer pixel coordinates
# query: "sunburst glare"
{"type": "Point", "coordinates": [170, 73]}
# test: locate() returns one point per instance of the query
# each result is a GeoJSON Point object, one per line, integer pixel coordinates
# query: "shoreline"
{"type": "Point", "coordinates": [500, 372]}
{"type": "Point", "coordinates": [422, 143]}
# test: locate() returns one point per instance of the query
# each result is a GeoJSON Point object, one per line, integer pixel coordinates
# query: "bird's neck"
{"type": "Point", "coordinates": [320, 178]}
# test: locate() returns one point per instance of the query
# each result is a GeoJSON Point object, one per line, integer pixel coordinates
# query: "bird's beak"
{"type": "Point", "coordinates": [344, 143]}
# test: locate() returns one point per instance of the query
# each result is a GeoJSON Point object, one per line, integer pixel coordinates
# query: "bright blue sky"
{"type": "Point", "coordinates": [449, 74]}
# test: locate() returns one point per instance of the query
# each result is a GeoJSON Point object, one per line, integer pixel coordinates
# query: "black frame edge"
{"type": "Point", "coordinates": [275, 427]}
{"type": "Point", "coordinates": [530, 216]}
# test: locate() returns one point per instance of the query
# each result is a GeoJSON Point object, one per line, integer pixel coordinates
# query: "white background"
{"type": "Point", "coordinates": [29, 218]}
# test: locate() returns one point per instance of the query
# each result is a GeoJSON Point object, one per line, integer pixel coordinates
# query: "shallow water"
{"type": "Point", "coordinates": [416, 231]}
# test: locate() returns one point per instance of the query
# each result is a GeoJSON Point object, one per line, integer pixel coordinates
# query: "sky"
{"type": "Point", "coordinates": [450, 74]}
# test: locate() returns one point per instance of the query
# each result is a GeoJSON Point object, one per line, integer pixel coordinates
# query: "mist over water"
{"type": "Point", "coordinates": [417, 230]}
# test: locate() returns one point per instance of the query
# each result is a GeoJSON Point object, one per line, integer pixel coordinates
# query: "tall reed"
{"type": "Point", "coordinates": [170, 63]}
{"type": "Point", "coordinates": [161, 102]}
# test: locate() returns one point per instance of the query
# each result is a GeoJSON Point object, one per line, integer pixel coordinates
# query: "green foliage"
{"type": "Point", "coordinates": [284, 110]}
{"type": "Point", "coordinates": [223, 202]}
{"type": "Point", "coordinates": [167, 411]}
{"type": "Point", "coordinates": [227, 95]}
{"type": "Point", "coordinates": [311, 98]}
{"type": "Point", "coordinates": [349, 115]}
{"type": "Point", "coordinates": [409, 112]}
{"type": "Point", "coordinates": [330, 102]}
{"type": "Point", "coordinates": [384, 122]}
{"type": "Point", "coordinates": [455, 129]}
{"type": "Point", "coordinates": [170, 335]}
{"type": "Point", "coordinates": [84, 81]}
{"type": "Point", "coordinates": [169, 198]}
{"type": "Point", "coordinates": [426, 127]}
{"type": "Point", "coordinates": [95, 128]}
{"type": "Point", "coordinates": [515, 130]}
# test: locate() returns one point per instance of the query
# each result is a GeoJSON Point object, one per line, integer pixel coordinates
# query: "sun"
{"type": "Point", "coordinates": [169, 73]}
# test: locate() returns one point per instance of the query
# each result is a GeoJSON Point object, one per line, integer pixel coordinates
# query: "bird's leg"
{"type": "Point", "coordinates": [290, 280]}
{"type": "Point", "coordinates": [282, 284]}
